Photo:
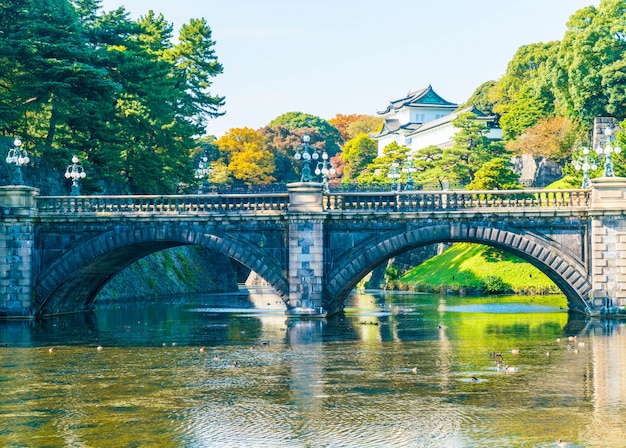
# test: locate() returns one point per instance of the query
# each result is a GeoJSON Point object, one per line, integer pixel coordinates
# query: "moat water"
{"type": "Point", "coordinates": [397, 370]}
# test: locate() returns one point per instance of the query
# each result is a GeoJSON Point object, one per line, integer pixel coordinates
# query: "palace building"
{"type": "Point", "coordinates": [423, 118]}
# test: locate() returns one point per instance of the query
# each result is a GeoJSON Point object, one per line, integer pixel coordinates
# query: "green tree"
{"type": "Point", "coordinates": [591, 63]}
{"type": "Point", "coordinates": [495, 174]}
{"type": "Point", "coordinates": [525, 93]}
{"type": "Point", "coordinates": [471, 149]}
{"type": "Point", "coordinates": [117, 93]}
{"type": "Point", "coordinates": [482, 98]}
{"type": "Point", "coordinates": [357, 154]}
{"type": "Point", "coordinates": [431, 167]}
{"type": "Point", "coordinates": [379, 169]}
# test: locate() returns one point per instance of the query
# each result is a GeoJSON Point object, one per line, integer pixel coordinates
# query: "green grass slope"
{"type": "Point", "coordinates": [469, 268]}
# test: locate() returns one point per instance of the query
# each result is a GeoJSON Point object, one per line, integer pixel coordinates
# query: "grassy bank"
{"type": "Point", "coordinates": [473, 268]}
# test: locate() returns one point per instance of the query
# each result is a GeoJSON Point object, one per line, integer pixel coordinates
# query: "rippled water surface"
{"type": "Point", "coordinates": [398, 370]}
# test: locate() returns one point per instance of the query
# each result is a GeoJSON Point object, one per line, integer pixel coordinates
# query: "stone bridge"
{"type": "Point", "coordinates": [312, 247]}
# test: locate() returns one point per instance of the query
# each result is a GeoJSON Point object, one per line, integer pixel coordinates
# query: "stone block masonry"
{"type": "Point", "coordinates": [17, 237]}
{"type": "Point", "coordinates": [608, 232]}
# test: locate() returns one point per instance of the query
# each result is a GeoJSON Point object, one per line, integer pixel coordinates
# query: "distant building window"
{"type": "Point", "coordinates": [408, 141]}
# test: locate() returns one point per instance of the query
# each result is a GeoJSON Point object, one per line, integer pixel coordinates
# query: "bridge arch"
{"type": "Point", "coordinates": [71, 282]}
{"type": "Point", "coordinates": [568, 273]}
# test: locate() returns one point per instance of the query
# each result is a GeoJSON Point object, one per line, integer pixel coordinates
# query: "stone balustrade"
{"type": "Point", "coordinates": [168, 205]}
{"type": "Point", "coordinates": [405, 201]}
{"type": "Point", "coordinates": [409, 201]}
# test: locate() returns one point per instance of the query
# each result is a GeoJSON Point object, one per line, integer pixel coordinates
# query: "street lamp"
{"type": "Point", "coordinates": [608, 150]}
{"type": "Point", "coordinates": [18, 157]}
{"type": "Point", "coordinates": [394, 175]}
{"type": "Point", "coordinates": [308, 153]}
{"type": "Point", "coordinates": [323, 169]}
{"type": "Point", "coordinates": [585, 164]}
{"type": "Point", "coordinates": [409, 169]}
{"type": "Point", "coordinates": [75, 171]}
{"type": "Point", "coordinates": [204, 169]}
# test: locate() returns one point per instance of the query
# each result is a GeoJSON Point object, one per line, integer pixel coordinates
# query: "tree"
{"type": "Point", "coordinates": [357, 154]}
{"type": "Point", "coordinates": [430, 166]}
{"type": "Point", "coordinates": [282, 143]}
{"type": "Point", "coordinates": [525, 93]}
{"type": "Point", "coordinates": [330, 139]}
{"type": "Point", "coordinates": [471, 148]}
{"type": "Point", "coordinates": [482, 98]}
{"type": "Point", "coordinates": [553, 138]}
{"type": "Point", "coordinates": [351, 126]}
{"type": "Point", "coordinates": [249, 161]}
{"type": "Point", "coordinates": [379, 169]}
{"type": "Point", "coordinates": [117, 93]}
{"type": "Point", "coordinates": [591, 68]}
{"type": "Point", "coordinates": [495, 174]}
{"type": "Point", "coordinates": [365, 124]}
{"type": "Point", "coordinates": [341, 123]}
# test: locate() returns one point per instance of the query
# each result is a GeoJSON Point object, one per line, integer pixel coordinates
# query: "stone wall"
{"type": "Point", "coordinates": [172, 272]}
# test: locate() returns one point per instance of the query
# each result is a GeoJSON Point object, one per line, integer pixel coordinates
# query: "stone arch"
{"type": "Point", "coordinates": [71, 282]}
{"type": "Point", "coordinates": [564, 270]}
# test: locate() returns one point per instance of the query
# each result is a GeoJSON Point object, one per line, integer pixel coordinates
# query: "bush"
{"type": "Point", "coordinates": [492, 284]}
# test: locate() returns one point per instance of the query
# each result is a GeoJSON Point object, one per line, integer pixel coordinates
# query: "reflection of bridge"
{"type": "Point", "coordinates": [57, 252]}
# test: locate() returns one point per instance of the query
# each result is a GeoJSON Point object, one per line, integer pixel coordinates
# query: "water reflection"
{"type": "Point", "coordinates": [395, 370]}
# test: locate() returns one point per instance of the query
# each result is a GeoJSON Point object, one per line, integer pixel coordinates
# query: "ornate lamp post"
{"type": "Point", "coordinates": [307, 153]}
{"type": "Point", "coordinates": [394, 175]}
{"type": "Point", "coordinates": [409, 169]}
{"type": "Point", "coordinates": [608, 150]}
{"type": "Point", "coordinates": [204, 169]}
{"type": "Point", "coordinates": [18, 157]}
{"type": "Point", "coordinates": [585, 164]}
{"type": "Point", "coordinates": [75, 171]}
{"type": "Point", "coordinates": [323, 169]}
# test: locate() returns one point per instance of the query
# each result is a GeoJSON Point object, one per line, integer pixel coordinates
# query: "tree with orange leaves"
{"type": "Point", "coordinates": [554, 138]}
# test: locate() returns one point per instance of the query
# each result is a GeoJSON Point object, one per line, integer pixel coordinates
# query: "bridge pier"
{"type": "Point", "coordinates": [306, 250]}
{"type": "Point", "coordinates": [18, 210]}
{"type": "Point", "coordinates": [608, 244]}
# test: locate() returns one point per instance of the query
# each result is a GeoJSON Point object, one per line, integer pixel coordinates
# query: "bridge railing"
{"type": "Point", "coordinates": [152, 204]}
{"type": "Point", "coordinates": [415, 201]}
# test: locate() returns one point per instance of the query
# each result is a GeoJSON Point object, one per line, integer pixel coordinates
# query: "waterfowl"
{"type": "Point", "coordinates": [474, 379]}
{"type": "Point", "coordinates": [515, 351]}
{"type": "Point", "coordinates": [509, 368]}
{"type": "Point", "coordinates": [51, 350]}
{"type": "Point", "coordinates": [414, 370]}
{"type": "Point", "coordinates": [216, 358]}
{"type": "Point", "coordinates": [562, 444]}
{"type": "Point", "coordinates": [201, 349]}
{"type": "Point", "coordinates": [99, 348]}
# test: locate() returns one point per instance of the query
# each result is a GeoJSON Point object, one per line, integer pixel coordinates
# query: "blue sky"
{"type": "Point", "coordinates": [325, 57]}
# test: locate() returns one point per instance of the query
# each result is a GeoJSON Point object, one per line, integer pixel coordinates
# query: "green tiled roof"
{"type": "Point", "coordinates": [423, 97]}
